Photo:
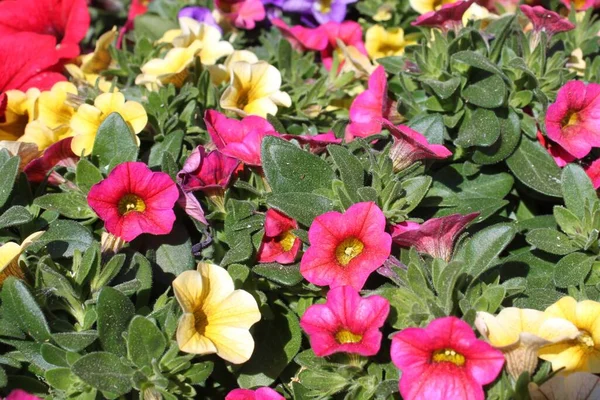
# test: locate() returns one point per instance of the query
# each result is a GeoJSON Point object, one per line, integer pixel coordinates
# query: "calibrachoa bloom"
{"type": "Point", "coordinates": [444, 361]}
{"type": "Point", "coordinates": [200, 14]}
{"type": "Point", "coordinates": [348, 32]}
{"type": "Point", "coordinates": [279, 243]}
{"type": "Point", "coordinates": [263, 393]}
{"type": "Point", "coordinates": [19, 394]}
{"type": "Point", "coordinates": [425, 6]}
{"type": "Point", "coordinates": [346, 248]}
{"type": "Point", "coordinates": [172, 69]}
{"type": "Point", "coordinates": [9, 257]}
{"type": "Point", "coordinates": [582, 353]}
{"type": "Point", "coordinates": [545, 20]}
{"type": "Point", "coordinates": [238, 139]}
{"type": "Point", "coordinates": [580, 5]}
{"type": "Point", "coordinates": [577, 386]}
{"type": "Point", "coordinates": [216, 318]}
{"type": "Point", "coordinates": [346, 323]}
{"type": "Point", "coordinates": [19, 110]}
{"type": "Point", "coordinates": [381, 42]}
{"type": "Point", "coordinates": [573, 120]}
{"type": "Point", "coordinates": [57, 155]}
{"type": "Point", "coordinates": [242, 13]}
{"type": "Point", "coordinates": [448, 17]}
{"type": "Point", "coordinates": [133, 200]}
{"type": "Point", "coordinates": [137, 8]}
{"type": "Point", "coordinates": [220, 73]}
{"type": "Point", "coordinates": [593, 171]}
{"type": "Point", "coordinates": [321, 10]}
{"type": "Point", "coordinates": [560, 155]}
{"type": "Point", "coordinates": [300, 37]}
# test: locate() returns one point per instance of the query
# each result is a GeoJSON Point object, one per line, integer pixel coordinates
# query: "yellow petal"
{"type": "Point", "coordinates": [564, 308]}
{"type": "Point", "coordinates": [238, 310]}
{"type": "Point", "coordinates": [219, 285]}
{"type": "Point", "coordinates": [86, 120]}
{"type": "Point", "coordinates": [557, 330]}
{"type": "Point", "coordinates": [496, 330]}
{"type": "Point", "coordinates": [261, 107]}
{"type": "Point", "coordinates": [8, 252]}
{"type": "Point", "coordinates": [240, 55]}
{"type": "Point", "coordinates": [587, 312]}
{"type": "Point", "coordinates": [266, 80]}
{"type": "Point", "coordinates": [210, 54]}
{"type": "Point", "coordinates": [233, 344]}
{"type": "Point", "coordinates": [43, 137]}
{"type": "Point", "coordinates": [53, 108]}
{"type": "Point", "coordinates": [109, 102]}
{"type": "Point", "coordinates": [100, 59]}
{"type": "Point", "coordinates": [569, 355]}
{"type": "Point", "coordinates": [82, 145]}
{"type": "Point", "coordinates": [134, 114]}
{"type": "Point", "coordinates": [189, 340]}
{"type": "Point", "coordinates": [188, 288]}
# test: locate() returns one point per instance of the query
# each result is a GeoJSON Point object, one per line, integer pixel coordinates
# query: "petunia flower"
{"type": "Point", "coordinates": [65, 20]}
{"type": "Point", "coordinates": [279, 244]}
{"type": "Point", "coordinates": [220, 73]}
{"type": "Point", "coordinates": [133, 200]}
{"type": "Point", "coordinates": [560, 155]}
{"type": "Point", "coordinates": [582, 353]}
{"type": "Point", "coordinates": [425, 6]}
{"type": "Point", "coordinates": [322, 11]}
{"type": "Point", "coordinates": [545, 20]}
{"type": "Point", "coordinates": [348, 32]}
{"type": "Point", "coordinates": [243, 14]}
{"type": "Point", "coordinates": [381, 42]}
{"type": "Point", "coordinates": [435, 236]}
{"type": "Point", "coordinates": [254, 90]}
{"type": "Point", "coordinates": [57, 155]}
{"type": "Point", "coordinates": [18, 394]}
{"type": "Point", "coordinates": [172, 69]}
{"type": "Point", "coordinates": [216, 318]}
{"type": "Point", "coordinates": [577, 386]}
{"type": "Point", "coordinates": [262, 393]}
{"type": "Point", "coordinates": [238, 139]}
{"type": "Point", "coordinates": [9, 257]}
{"type": "Point", "coordinates": [448, 17]}
{"type": "Point", "coordinates": [520, 333]}
{"type": "Point", "coordinates": [573, 120]}
{"type": "Point", "coordinates": [576, 62]}
{"type": "Point", "coordinates": [200, 14]}
{"type": "Point", "coordinates": [88, 118]}
{"type": "Point", "coordinates": [302, 38]}
{"type": "Point", "coordinates": [410, 146]}
{"type": "Point", "coordinates": [593, 171]}
{"type": "Point", "coordinates": [26, 151]}
{"type": "Point", "coordinates": [346, 323]}
{"type": "Point", "coordinates": [444, 361]}
{"type": "Point", "coordinates": [19, 110]}
{"type": "Point", "coordinates": [346, 248]}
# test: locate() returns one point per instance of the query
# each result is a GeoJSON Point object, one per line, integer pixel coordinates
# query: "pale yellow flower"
{"type": "Point", "coordinates": [9, 257]}
{"type": "Point", "coordinates": [355, 61]}
{"type": "Point", "coordinates": [478, 13]}
{"type": "Point", "coordinates": [384, 12]}
{"type": "Point", "coordinates": [380, 42]}
{"type": "Point", "coordinates": [20, 110]}
{"type": "Point", "coordinates": [26, 151]}
{"type": "Point", "coordinates": [220, 73]}
{"type": "Point", "coordinates": [576, 62]}
{"type": "Point", "coordinates": [424, 6]}
{"type": "Point", "coordinates": [583, 352]}
{"type": "Point", "coordinates": [519, 334]}
{"type": "Point", "coordinates": [88, 118]}
{"type": "Point", "coordinates": [577, 386]}
{"type": "Point", "coordinates": [254, 90]}
{"type": "Point", "coordinates": [216, 318]}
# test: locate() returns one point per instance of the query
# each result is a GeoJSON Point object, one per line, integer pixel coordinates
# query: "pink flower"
{"type": "Point", "coordinates": [349, 32]}
{"type": "Point", "coordinates": [560, 155]}
{"type": "Point", "coordinates": [410, 146]}
{"type": "Point", "coordinates": [263, 393]}
{"type": "Point", "coordinates": [546, 20]}
{"type": "Point", "coordinates": [593, 171]}
{"type": "Point", "coordinates": [19, 394]}
{"type": "Point", "coordinates": [580, 5]}
{"type": "Point", "coordinates": [242, 13]}
{"type": "Point", "coordinates": [207, 171]}
{"type": "Point", "coordinates": [238, 139]}
{"type": "Point", "coordinates": [446, 18]}
{"type": "Point", "coordinates": [279, 244]}
{"type": "Point", "coordinates": [346, 248]}
{"type": "Point", "coordinates": [444, 361]}
{"type": "Point", "coordinates": [435, 237]}
{"type": "Point", "coordinates": [302, 38]}
{"type": "Point", "coordinates": [346, 323]}
{"type": "Point", "coordinates": [133, 200]}
{"type": "Point", "coordinates": [316, 143]}
{"type": "Point", "coordinates": [573, 120]}
{"type": "Point", "coordinates": [58, 154]}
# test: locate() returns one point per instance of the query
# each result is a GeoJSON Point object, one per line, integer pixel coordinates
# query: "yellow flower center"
{"type": "Point", "coordinates": [448, 355]}
{"type": "Point", "coordinates": [586, 342]}
{"type": "Point", "coordinates": [344, 336]}
{"type": "Point", "coordinates": [348, 250]}
{"type": "Point", "coordinates": [324, 6]}
{"type": "Point", "coordinates": [201, 321]}
{"type": "Point", "coordinates": [243, 98]}
{"type": "Point", "coordinates": [131, 202]}
{"type": "Point", "coordinates": [286, 240]}
{"type": "Point", "coordinates": [570, 119]}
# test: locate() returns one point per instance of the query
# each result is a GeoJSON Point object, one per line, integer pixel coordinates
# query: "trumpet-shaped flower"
{"type": "Point", "coordinates": [346, 248]}
{"type": "Point", "coordinates": [425, 6]}
{"type": "Point", "coordinates": [577, 386]}
{"type": "Point", "coordinates": [133, 200]}
{"type": "Point", "coordinates": [448, 17]}
{"type": "Point", "coordinates": [88, 118]}
{"type": "Point", "coordinates": [207, 171]}
{"type": "Point", "coordinates": [519, 334]}
{"type": "Point", "coordinates": [302, 38]}
{"type": "Point", "coordinates": [381, 42]}
{"type": "Point", "coordinates": [573, 120]}
{"type": "Point", "coordinates": [545, 20]}
{"type": "Point", "coordinates": [19, 109]}
{"type": "Point", "coordinates": [279, 243]}
{"type": "Point", "coordinates": [173, 68]}
{"type": "Point", "coordinates": [444, 361]}
{"type": "Point", "coordinates": [238, 139]}
{"type": "Point", "coordinates": [242, 14]}
{"type": "Point", "coordinates": [263, 393]}
{"type": "Point", "coordinates": [348, 32]}
{"type": "Point", "coordinates": [582, 353]}
{"type": "Point", "coordinates": [9, 257]}
{"type": "Point", "coordinates": [346, 323]}
{"type": "Point", "coordinates": [216, 318]}
{"type": "Point", "coordinates": [57, 155]}
{"type": "Point", "coordinates": [220, 73]}
{"type": "Point", "coordinates": [254, 90]}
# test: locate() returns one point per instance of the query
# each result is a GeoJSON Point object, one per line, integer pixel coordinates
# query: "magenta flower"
{"type": "Point", "coordinates": [346, 323]}
{"type": "Point", "coordinates": [19, 394]}
{"type": "Point", "coordinates": [238, 139]}
{"type": "Point", "coordinates": [279, 244]}
{"type": "Point", "coordinates": [242, 13]}
{"type": "Point", "coordinates": [444, 361]}
{"type": "Point", "coordinates": [449, 17]}
{"type": "Point", "coordinates": [573, 120]}
{"type": "Point", "coordinates": [207, 172]}
{"type": "Point", "coordinates": [560, 155]}
{"type": "Point", "coordinates": [410, 146]}
{"type": "Point", "coordinates": [435, 237]}
{"type": "Point", "coordinates": [263, 393]}
{"type": "Point", "coordinates": [302, 38]}
{"type": "Point", "coordinates": [593, 171]}
{"type": "Point", "coordinates": [316, 143]}
{"type": "Point", "coordinates": [346, 248]}
{"type": "Point", "coordinates": [349, 32]}
{"type": "Point", "coordinates": [546, 20]}
{"type": "Point", "coordinates": [133, 200]}
{"type": "Point", "coordinates": [58, 154]}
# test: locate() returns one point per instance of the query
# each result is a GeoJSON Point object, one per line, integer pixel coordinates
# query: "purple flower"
{"type": "Point", "coordinates": [321, 10]}
{"type": "Point", "coordinates": [200, 14]}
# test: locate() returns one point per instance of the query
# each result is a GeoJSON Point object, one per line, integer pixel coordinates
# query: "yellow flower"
{"type": "Point", "coordinates": [88, 118]}
{"type": "Point", "coordinates": [20, 109]}
{"type": "Point", "coordinates": [355, 61]}
{"type": "Point", "coordinates": [577, 386]}
{"type": "Point", "coordinates": [9, 257]}
{"type": "Point", "coordinates": [220, 73]}
{"type": "Point", "coordinates": [25, 151]}
{"type": "Point", "coordinates": [216, 318]}
{"type": "Point", "coordinates": [254, 90]}
{"type": "Point", "coordinates": [478, 13]}
{"type": "Point", "coordinates": [42, 136]}
{"type": "Point", "coordinates": [424, 6]}
{"type": "Point", "coordinates": [380, 42]}
{"type": "Point", "coordinates": [384, 12]}
{"type": "Point", "coordinates": [582, 353]}
{"type": "Point", "coordinates": [519, 333]}
{"type": "Point", "coordinates": [576, 62]}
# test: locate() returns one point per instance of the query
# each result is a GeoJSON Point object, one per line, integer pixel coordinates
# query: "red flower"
{"type": "Point", "coordinates": [137, 7]}
{"type": "Point", "coordinates": [57, 155]}
{"type": "Point", "coordinates": [279, 244]}
{"type": "Point", "coordinates": [560, 155]}
{"type": "Point", "coordinates": [446, 18]}
{"type": "Point", "coordinates": [546, 20]}
{"type": "Point", "coordinates": [207, 172]}
{"type": "Point", "coordinates": [302, 38]}
{"type": "Point", "coordinates": [444, 361]}
{"type": "Point", "coordinates": [66, 20]}
{"type": "Point", "coordinates": [134, 200]}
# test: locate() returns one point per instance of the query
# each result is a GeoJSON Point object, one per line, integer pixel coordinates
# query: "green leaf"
{"type": "Point", "coordinates": [567, 220]}
{"type": "Point", "coordinates": [462, 60]}
{"type": "Point", "coordinates": [16, 215]}
{"type": "Point", "coordinates": [479, 128]}
{"type": "Point", "coordinates": [54, 355]}
{"type": "Point", "coordinates": [200, 372]}
{"type": "Point", "coordinates": [431, 126]}
{"type": "Point", "coordinates": [572, 269]}
{"type": "Point", "coordinates": [286, 275]}
{"type": "Point", "coordinates": [443, 89]}
{"type": "Point", "coordinates": [71, 204]}
{"type": "Point", "coordinates": [485, 90]}
{"type": "Point", "coordinates": [291, 169]}
{"type": "Point", "coordinates": [108, 272]}
{"type": "Point", "coordinates": [510, 134]}
{"type": "Point", "coordinates": [145, 342]}
{"type": "Point", "coordinates": [350, 169]}
{"type": "Point", "coordinates": [87, 175]}
{"type": "Point", "coordinates": [59, 378]}
{"type": "Point", "coordinates": [577, 188]}
{"type": "Point", "coordinates": [115, 311]}
{"type": "Point", "coordinates": [392, 65]}
{"type": "Point", "coordinates": [115, 143]}
{"type": "Point", "coordinates": [75, 341]}
{"type": "Point", "coordinates": [551, 241]}
{"type": "Point", "coordinates": [174, 255]}
{"type": "Point", "coordinates": [63, 237]}
{"type": "Point", "coordinates": [8, 174]}
{"type": "Point", "coordinates": [303, 207]}
{"type": "Point", "coordinates": [171, 144]}
{"type": "Point", "coordinates": [104, 371]}
{"type": "Point", "coordinates": [22, 309]}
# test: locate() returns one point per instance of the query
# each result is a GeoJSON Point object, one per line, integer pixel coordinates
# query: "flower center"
{"type": "Point", "coordinates": [324, 6]}
{"type": "Point", "coordinates": [201, 321]}
{"type": "Point", "coordinates": [286, 240]}
{"type": "Point", "coordinates": [586, 342]}
{"type": "Point", "coordinates": [243, 98]}
{"type": "Point", "coordinates": [570, 119]}
{"type": "Point", "coordinates": [448, 355]}
{"type": "Point", "coordinates": [131, 202]}
{"type": "Point", "coordinates": [347, 250]}
{"type": "Point", "coordinates": [344, 336]}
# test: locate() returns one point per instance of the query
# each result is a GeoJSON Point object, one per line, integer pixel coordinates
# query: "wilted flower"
{"type": "Point", "coordinates": [444, 361]}
{"type": "Point", "coordinates": [216, 318]}
{"type": "Point", "coordinates": [279, 244]}
{"type": "Point", "coordinates": [425, 6]}
{"type": "Point", "coordinates": [263, 393]}
{"type": "Point", "coordinates": [381, 42]}
{"type": "Point", "coordinates": [448, 17]}
{"type": "Point", "coordinates": [346, 323]}
{"type": "Point", "coordinates": [9, 257]}
{"type": "Point", "coordinates": [577, 386]}
{"type": "Point", "coordinates": [346, 248]}
{"type": "Point", "coordinates": [57, 155]}
{"type": "Point", "coordinates": [316, 143]}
